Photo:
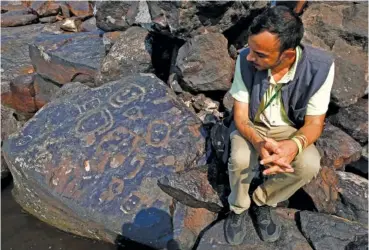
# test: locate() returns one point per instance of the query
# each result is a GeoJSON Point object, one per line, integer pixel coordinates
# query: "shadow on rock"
{"type": "Point", "coordinates": [151, 229]}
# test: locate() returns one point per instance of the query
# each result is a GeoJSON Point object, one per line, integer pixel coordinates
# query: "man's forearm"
{"type": "Point", "coordinates": [248, 131]}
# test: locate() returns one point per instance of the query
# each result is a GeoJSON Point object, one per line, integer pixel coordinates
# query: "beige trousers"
{"type": "Point", "coordinates": [277, 188]}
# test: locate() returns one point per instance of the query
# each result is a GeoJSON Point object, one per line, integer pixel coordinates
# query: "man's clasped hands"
{"type": "Point", "coordinates": [277, 156]}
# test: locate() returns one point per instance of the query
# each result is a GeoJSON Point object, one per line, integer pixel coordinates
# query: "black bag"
{"type": "Point", "coordinates": [220, 135]}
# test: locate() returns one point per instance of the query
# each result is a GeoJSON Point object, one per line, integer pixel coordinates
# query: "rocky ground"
{"type": "Point", "coordinates": [111, 118]}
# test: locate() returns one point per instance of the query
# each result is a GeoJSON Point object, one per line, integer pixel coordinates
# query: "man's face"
{"type": "Point", "coordinates": [264, 51]}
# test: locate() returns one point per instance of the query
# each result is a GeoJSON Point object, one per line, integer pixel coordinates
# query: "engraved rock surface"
{"type": "Point", "coordinates": [340, 193]}
{"type": "Point", "coordinates": [326, 232]}
{"type": "Point", "coordinates": [291, 238]}
{"type": "Point", "coordinates": [89, 163]}
{"type": "Point", "coordinates": [337, 148]}
{"type": "Point", "coordinates": [353, 120]}
{"type": "Point", "coordinates": [61, 58]}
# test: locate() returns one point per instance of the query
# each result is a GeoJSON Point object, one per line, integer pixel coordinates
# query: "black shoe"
{"type": "Point", "coordinates": [235, 228]}
{"type": "Point", "coordinates": [266, 224]}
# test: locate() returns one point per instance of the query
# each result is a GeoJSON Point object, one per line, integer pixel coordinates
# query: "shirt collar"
{"type": "Point", "coordinates": [291, 72]}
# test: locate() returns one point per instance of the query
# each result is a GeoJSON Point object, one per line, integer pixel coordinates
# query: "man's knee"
{"type": "Point", "coordinates": [307, 164]}
{"type": "Point", "coordinates": [240, 158]}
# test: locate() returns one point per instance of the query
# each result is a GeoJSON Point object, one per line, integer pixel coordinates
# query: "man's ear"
{"type": "Point", "coordinates": [288, 54]}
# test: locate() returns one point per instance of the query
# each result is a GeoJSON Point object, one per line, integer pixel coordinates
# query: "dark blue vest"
{"type": "Point", "coordinates": [311, 72]}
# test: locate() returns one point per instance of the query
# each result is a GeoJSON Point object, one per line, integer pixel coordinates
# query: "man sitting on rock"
{"type": "Point", "coordinates": [282, 91]}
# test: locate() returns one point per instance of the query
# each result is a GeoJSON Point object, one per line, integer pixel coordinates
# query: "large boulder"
{"type": "Point", "coordinates": [353, 120]}
{"type": "Point", "coordinates": [130, 54]}
{"type": "Point", "coordinates": [290, 239]}
{"type": "Point", "coordinates": [89, 163]}
{"type": "Point", "coordinates": [183, 19]}
{"type": "Point", "coordinates": [326, 232]}
{"type": "Point", "coordinates": [63, 58]}
{"type": "Point", "coordinates": [337, 148]}
{"type": "Point", "coordinates": [204, 64]}
{"type": "Point", "coordinates": [340, 193]}
{"type": "Point", "coordinates": [15, 59]}
{"type": "Point", "coordinates": [342, 29]}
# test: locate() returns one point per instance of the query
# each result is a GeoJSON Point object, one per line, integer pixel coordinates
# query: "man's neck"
{"type": "Point", "coordinates": [281, 69]}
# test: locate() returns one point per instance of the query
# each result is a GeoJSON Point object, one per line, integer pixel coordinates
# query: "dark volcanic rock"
{"type": "Point", "coordinates": [343, 30]}
{"type": "Point", "coordinates": [194, 188]}
{"type": "Point", "coordinates": [49, 19]}
{"type": "Point", "coordinates": [291, 238]}
{"type": "Point", "coordinates": [184, 19]}
{"type": "Point", "coordinates": [21, 94]}
{"type": "Point", "coordinates": [15, 59]}
{"type": "Point", "coordinates": [353, 120]}
{"type": "Point", "coordinates": [109, 38]}
{"type": "Point", "coordinates": [188, 222]}
{"type": "Point", "coordinates": [11, 21]}
{"type": "Point", "coordinates": [89, 25]}
{"type": "Point", "coordinates": [130, 54]}
{"type": "Point", "coordinates": [9, 125]}
{"type": "Point", "coordinates": [109, 15]}
{"type": "Point", "coordinates": [61, 58]}
{"type": "Point", "coordinates": [80, 8]}
{"type": "Point", "coordinates": [69, 89]}
{"type": "Point", "coordinates": [44, 91]}
{"type": "Point", "coordinates": [45, 8]}
{"type": "Point", "coordinates": [13, 6]}
{"type": "Point", "coordinates": [89, 163]}
{"type": "Point", "coordinates": [204, 63]}
{"type": "Point", "coordinates": [337, 148]}
{"type": "Point", "coordinates": [339, 193]}
{"type": "Point", "coordinates": [326, 232]}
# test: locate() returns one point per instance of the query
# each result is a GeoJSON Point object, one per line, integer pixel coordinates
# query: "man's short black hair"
{"type": "Point", "coordinates": [283, 22]}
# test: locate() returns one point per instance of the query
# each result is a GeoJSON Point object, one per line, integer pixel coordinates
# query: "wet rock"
{"type": "Point", "coordinates": [188, 223]}
{"type": "Point", "coordinates": [109, 15]}
{"type": "Point", "coordinates": [195, 188]}
{"type": "Point", "coordinates": [49, 19]}
{"type": "Point", "coordinates": [332, 233]}
{"type": "Point", "coordinates": [71, 24]}
{"type": "Point", "coordinates": [15, 58]}
{"type": "Point", "coordinates": [89, 25]}
{"type": "Point", "coordinates": [80, 8]}
{"type": "Point", "coordinates": [290, 239]}
{"type": "Point", "coordinates": [61, 58]}
{"type": "Point", "coordinates": [204, 63]}
{"type": "Point", "coordinates": [89, 163]}
{"type": "Point", "coordinates": [129, 55]}
{"type": "Point", "coordinates": [339, 193]}
{"type": "Point", "coordinates": [44, 91]}
{"type": "Point", "coordinates": [11, 21]}
{"type": "Point", "coordinates": [337, 148]}
{"type": "Point", "coordinates": [331, 27]}
{"type": "Point", "coordinates": [353, 120]}
{"type": "Point", "coordinates": [45, 8]}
